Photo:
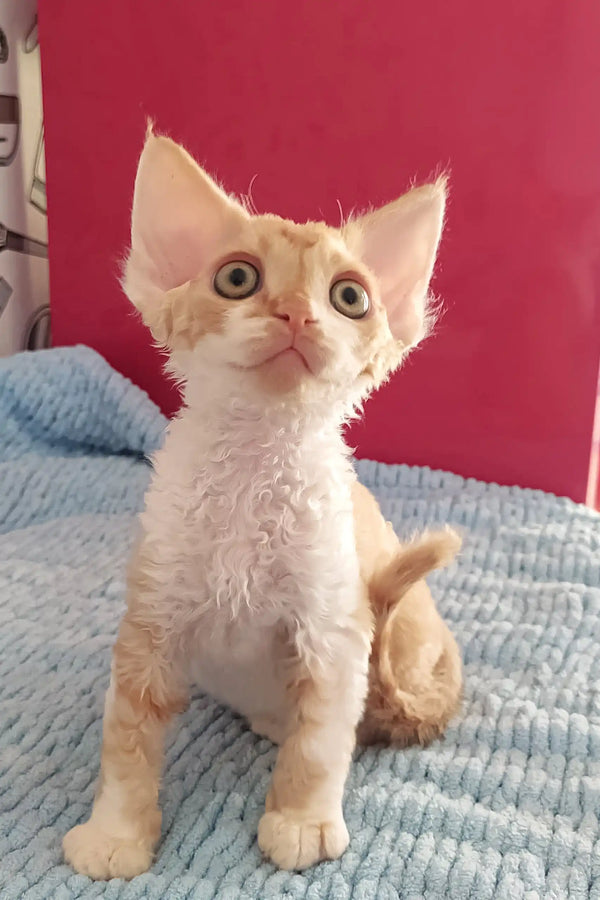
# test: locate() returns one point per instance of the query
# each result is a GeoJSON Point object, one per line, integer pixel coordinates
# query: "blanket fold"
{"type": "Point", "coordinates": [506, 806]}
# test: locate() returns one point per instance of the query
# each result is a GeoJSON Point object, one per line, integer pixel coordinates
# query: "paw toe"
{"type": "Point", "coordinates": [93, 853]}
{"type": "Point", "coordinates": [292, 842]}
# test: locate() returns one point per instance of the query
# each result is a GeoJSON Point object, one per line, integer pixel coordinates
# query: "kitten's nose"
{"type": "Point", "coordinates": [297, 318]}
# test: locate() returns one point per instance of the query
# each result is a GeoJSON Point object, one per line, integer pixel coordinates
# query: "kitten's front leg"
{"type": "Point", "coordinates": [303, 822]}
{"type": "Point", "coordinates": [119, 838]}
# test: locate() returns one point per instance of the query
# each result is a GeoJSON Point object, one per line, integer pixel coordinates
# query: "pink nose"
{"type": "Point", "coordinates": [297, 319]}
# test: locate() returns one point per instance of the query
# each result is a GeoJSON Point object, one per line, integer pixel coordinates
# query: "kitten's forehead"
{"type": "Point", "coordinates": [272, 229]}
{"type": "Point", "coordinates": [302, 251]}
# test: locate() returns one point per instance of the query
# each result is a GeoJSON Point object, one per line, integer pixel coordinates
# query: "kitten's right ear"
{"type": "Point", "coordinates": [180, 222]}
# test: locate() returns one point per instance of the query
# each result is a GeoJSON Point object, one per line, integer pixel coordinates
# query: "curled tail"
{"type": "Point", "coordinates": [415, 672]}
{"type": "Point", "coordinates": [428, 551]}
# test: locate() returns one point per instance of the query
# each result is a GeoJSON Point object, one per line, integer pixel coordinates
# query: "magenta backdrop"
{"type": "Point", "coordinates": [349, 101]}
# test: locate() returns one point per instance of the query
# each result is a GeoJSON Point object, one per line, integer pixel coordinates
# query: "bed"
{"type": "Point", "coordinates": [505, 806]}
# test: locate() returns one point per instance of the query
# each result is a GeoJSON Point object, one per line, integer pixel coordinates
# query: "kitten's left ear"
{"type": "Point", "coordinates": [399, 244]}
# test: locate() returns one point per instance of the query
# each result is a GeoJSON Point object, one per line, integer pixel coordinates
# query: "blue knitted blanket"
{"type": "Point", "coordinates": [506, 806]}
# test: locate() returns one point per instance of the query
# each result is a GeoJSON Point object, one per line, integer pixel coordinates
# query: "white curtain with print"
{"type": "Point", "coordinates": [24, 310]}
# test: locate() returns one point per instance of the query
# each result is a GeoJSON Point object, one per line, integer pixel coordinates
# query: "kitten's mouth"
{"type": "Point", "coordinates": [289, 353]}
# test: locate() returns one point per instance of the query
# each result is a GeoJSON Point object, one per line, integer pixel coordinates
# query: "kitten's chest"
{"type": "Point", "coordinates": [266, 535]}
{"type": "Point", "coordinates": [256, 529]}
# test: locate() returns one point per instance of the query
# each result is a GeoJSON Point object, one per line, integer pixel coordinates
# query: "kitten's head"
{"type": "Point", "coordinates": [261, 304]}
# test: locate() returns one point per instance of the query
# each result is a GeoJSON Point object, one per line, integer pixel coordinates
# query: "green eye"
{"type": "Point", "coordinates": [349, 298]}
{"type": "Point", "coordinates": [237, 280]}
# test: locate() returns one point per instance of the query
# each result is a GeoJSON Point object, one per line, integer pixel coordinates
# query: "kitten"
{"type": "Point", "coordinates": [265, 573]}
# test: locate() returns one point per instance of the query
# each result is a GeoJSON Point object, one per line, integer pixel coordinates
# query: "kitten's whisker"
{"type": "Point", "coordinates": [249, 196]}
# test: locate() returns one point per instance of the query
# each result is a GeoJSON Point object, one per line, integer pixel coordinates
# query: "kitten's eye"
{"type": "Point", "coordinates": [349, 298]}
{"type": "Point", "coordinates": [236, 280]}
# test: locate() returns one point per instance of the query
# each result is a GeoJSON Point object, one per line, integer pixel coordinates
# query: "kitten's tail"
{"type": "Point", "coordinates": [426, 552]}
{"type": "Point", "coordinates": [411, 696]}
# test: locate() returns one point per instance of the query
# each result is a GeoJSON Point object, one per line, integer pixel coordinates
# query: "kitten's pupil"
{"type": "Point", "coordinates": [349, 295]}
{"type": "Point", "coordinates": [236, 280]}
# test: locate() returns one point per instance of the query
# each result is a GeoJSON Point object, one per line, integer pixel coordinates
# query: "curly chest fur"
{"type": "Point", "coordinates": [255, 528]}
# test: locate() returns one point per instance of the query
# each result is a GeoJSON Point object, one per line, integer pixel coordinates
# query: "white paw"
{"type": "Point", "coordinates": [92, 852]}
{"type": "Point", "coordinates": [294, 842]}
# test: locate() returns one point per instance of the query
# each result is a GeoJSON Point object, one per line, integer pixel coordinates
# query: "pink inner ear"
{"type": "Point", "coordinates": [406, 318]}
{"type": "Point", "coordinates": [399, 244]}
{"type": "Point", "coordinates": [181, 219]}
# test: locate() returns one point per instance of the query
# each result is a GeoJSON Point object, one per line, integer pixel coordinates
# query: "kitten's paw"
{"type": "Point", "coordinates": [294, 842]}
{"type": "Point", "coordinates": [92, 852]}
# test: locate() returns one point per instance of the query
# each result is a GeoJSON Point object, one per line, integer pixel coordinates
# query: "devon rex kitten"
{"type": "Point", "coordinates": [265, 573]}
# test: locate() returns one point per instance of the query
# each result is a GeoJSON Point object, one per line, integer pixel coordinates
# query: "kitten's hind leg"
{"type": "Point", "coordinates": [303, 822]}
{"type": "Point", "coordinates": [119, 838]}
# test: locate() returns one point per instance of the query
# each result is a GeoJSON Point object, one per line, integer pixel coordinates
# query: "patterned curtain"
{"type": "Point", "coordinates": [24, 298]}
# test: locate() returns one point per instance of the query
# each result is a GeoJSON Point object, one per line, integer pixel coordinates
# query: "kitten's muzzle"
{"type": "Point", "coordinates": [296, 319]}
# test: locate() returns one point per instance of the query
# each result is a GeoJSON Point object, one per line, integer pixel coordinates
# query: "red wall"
{"type": "Point", "coordinates": [349, 100]}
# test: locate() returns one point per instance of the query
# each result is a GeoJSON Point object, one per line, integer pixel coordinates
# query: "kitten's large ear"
{"type": "Point", "coordinates": [180, 221]}
{"type": "Point", "coordinates": [399, 244]}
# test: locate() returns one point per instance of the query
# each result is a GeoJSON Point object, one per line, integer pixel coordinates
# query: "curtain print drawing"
{"type": "Point", "coordinates": [24, 299]}
{"type": "Point", "coordinates": [10, 119]}
{"type": "Point", "coordinates": [31, 41]}
{"type": "Point", "coordinates": [12, 240]}
{"type": "Point", "coordinates": [5, 292]}
{"type": "Point", "coordinates": [37, 195]}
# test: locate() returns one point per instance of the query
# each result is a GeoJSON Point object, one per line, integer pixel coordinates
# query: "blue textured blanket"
{"type": "Point", "coordinates": [506, 806]}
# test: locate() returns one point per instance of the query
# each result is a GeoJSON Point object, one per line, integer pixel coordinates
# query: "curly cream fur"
{"type": "Point", "coordinates": [262, 573]}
